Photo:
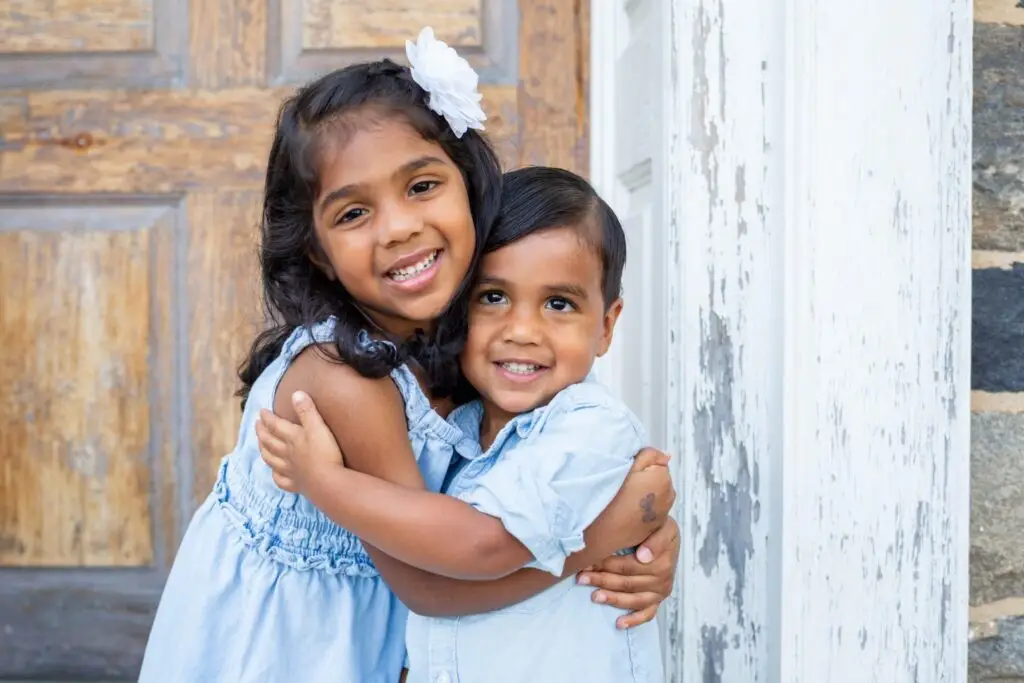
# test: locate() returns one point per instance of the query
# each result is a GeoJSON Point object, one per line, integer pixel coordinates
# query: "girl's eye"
{"type": "Point", "coordinates": [351, 215]}
{"type": "Point", "coordinates": [492, 298]}
{"type": "Point", "coordinates": [561, 305]}
{"type": "Point", "coordinates": [423, 186]}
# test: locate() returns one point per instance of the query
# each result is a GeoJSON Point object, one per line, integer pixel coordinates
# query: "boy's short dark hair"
{"type": "Point", "coordinates": [539, 198]}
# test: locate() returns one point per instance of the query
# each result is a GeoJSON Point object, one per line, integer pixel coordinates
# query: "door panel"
{"type": "Point", "coordinates": [133, 137]}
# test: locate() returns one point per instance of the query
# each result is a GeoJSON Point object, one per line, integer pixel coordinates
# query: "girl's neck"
{"type": "Point", "coordinates": [493, 421]}
{"type": "Point", "coordinates": [398, 328]}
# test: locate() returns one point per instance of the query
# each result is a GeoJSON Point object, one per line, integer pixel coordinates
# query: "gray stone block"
{"type": "Point", "coordinates": [999, 658]}
{"type": "Point", "coordinates": [997, 329]}
{"type": "Point", "coordinates": [997, 506]}
{"type": "Point", "coordinates": [999, 137]}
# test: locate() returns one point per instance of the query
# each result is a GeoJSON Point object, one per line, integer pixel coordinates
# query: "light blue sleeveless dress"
{"type": "Point", "coordinates": [267, 589]}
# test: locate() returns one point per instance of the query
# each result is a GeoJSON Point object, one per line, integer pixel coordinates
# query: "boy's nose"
{"type": "Point", "coordinates": [523, 329]}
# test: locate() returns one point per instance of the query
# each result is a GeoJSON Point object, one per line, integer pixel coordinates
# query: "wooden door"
{"type": "Point", "coordinates": [133, 135]}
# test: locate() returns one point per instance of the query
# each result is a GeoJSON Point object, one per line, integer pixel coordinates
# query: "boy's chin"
{"type": "Point", "coordinates": [517, 402]}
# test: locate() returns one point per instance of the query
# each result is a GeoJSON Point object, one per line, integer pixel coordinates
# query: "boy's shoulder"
{"type": "Point", "coordinates": [588, 404]}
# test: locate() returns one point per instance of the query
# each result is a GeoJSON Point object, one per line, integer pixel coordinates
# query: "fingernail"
{"type": "Point", "coordinates": [621, 624]}
{"type": "Point", "coordinates": [644, 555]}
{"type": "Point", "coordinates": [600, 597]}
{"type": "Point", "coordinates": [585, 580]}
{"type": "Point", "coordinates": [298, 397]}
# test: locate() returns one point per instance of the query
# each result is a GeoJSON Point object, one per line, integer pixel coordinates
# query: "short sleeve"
{"type": "Point", "coordinates": [550, 487]}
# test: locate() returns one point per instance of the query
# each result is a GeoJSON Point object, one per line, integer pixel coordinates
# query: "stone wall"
{"type": "Point", "coordinates": [997, 399]}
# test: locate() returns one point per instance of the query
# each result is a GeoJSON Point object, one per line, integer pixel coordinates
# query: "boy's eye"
{"type": "Point", "coordinates": [557, 303]}
{"type": "Point", "coordinates": [351, 215]}
{"type": "Point", "coordinates": [492, 297]}
{"type": "Point", "coordinates": [423, 186]}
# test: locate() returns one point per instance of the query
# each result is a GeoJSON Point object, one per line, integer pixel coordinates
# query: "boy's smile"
{"type": "Point", "coordinates": [537, 321]}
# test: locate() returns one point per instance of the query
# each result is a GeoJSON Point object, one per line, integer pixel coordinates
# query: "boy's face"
{"type": "Point", "coordinates": [537, 320]}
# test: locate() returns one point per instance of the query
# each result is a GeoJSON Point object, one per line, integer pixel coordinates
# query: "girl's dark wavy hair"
{"type": "Point", "coordinates": [296, 292]}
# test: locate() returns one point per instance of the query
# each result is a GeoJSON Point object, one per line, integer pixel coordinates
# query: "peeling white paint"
{"type": "Point", "coordinates": [875, 462]}
{"type": "Point", "coordinates": [806, 198]}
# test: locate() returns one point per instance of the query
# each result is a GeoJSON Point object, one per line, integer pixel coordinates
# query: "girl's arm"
{"type": "Point", "coordinates": [367, 420]}
{"type": "Point", "coordinates": [643, 586]}
{"type": "Point", "coordinates": [444, 535]}
{"type": "Point", "coordinates": [638, 582]}
{"type": "Point", "coordinates": [435, 532]}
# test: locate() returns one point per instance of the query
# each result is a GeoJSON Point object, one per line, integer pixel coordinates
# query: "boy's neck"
{"type": "Point", "coordinates": [493, 421]}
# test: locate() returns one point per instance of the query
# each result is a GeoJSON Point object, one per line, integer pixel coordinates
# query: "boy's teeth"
{"type": "Point", "coordinates": [521, 368]}
{"type": "Point", "coordinates": [400, 274]}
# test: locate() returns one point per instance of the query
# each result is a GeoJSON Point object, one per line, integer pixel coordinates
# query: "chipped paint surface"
{"type": "Point", "coordinates": [725, 181]}
{"type": "Point", "coordinates": [874, 467]}
{"type": "Point", "coordinates": [799, 174]}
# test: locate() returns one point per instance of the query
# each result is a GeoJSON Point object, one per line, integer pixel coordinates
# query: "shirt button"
{"type": "Point", "coordinates": [443, 677]}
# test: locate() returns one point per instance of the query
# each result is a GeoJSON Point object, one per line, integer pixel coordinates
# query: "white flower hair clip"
{"type": "Point", "coordinates": [448, 79]}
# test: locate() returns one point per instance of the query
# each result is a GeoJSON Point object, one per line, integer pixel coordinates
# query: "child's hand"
{"type": "Point", "coordinates": [638, 582]}
{"type": "Point", "coordinates": [294, 452]}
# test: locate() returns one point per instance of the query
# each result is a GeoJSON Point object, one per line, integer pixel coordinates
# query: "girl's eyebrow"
{"type": "Point", "coordinates": [405, 169]}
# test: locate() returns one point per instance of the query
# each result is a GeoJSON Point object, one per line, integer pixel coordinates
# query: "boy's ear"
{"type": "Point", "coordinates": [611, 316]}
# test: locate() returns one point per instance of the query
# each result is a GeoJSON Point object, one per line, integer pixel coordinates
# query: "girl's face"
{"type": "Point", "coordinates": [394, 224]}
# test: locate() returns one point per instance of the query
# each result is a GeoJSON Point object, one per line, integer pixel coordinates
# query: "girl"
{"type": "Point", "coordinates": [379, 194]}
{"type": "Point", "coordinates": [554, 448]}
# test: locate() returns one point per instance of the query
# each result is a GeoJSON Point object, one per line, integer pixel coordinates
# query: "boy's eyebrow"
{"type": "Point", "coordinates": [569, 289]}
{"type": "Point", "coordinates": [565, 288]}
{"type": "Point", "coordinates": [405, 169]}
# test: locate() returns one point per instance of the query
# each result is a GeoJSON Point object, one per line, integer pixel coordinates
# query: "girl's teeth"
{"type": "Point", "coordinates": [401, 274]}
{"type": "Point", "coordinates": [520, 368]}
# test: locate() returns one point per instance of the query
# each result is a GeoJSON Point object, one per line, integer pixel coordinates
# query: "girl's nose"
{"type": "Point", "coordinates": [398, 226]}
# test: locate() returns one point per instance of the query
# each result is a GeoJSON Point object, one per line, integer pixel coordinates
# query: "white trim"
{"type": "Point", "coordinates": [605, 20]}
{"type": "Point", "coordinates": [816, 195]}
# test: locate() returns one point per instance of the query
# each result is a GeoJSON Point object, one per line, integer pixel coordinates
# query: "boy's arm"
{"type": "Point", "coordinates": [550, 489]}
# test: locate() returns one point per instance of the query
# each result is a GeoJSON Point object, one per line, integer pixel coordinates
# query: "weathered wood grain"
{"type": "Point", "coordinates": [131, 141]}
{"type": "Point", "coordinates": [224, 316]}
{"type": "Point", "coordinates": [388, 23]}
{"type": "Point", "coordinates": [55, 26]}
{"type": "Point", "coordinates": [159, 141]}
{"type": "Point", "coordinates": [306, 39]}
{"type": "Point", "coordinates": [105, 43]}
{"type": "Point", "coordinates": [553, 101]}
{"type": "Point", "coordinates": [76, 325]}
{"type": "Point", "coordinates": [227, 43]}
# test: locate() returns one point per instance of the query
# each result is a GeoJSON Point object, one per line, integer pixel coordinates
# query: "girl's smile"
{"type": "Point", "coordinates": [415, 272]}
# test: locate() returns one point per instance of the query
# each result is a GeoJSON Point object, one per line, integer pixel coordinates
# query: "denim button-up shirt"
{"type": "Point", "coordinates": [548, 475]}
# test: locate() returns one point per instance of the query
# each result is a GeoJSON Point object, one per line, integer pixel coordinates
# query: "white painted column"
{"type": "Point", "coordinates": [801, 198]}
